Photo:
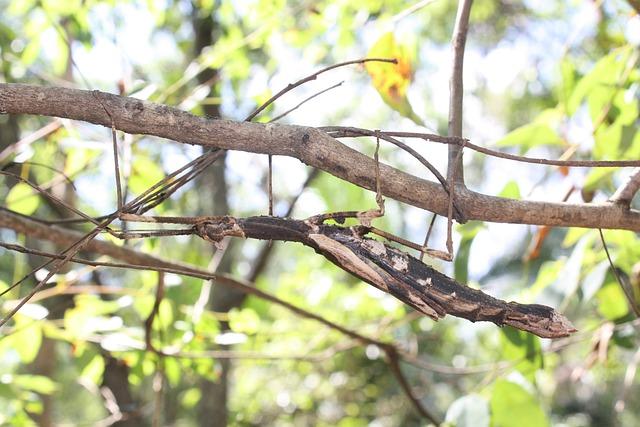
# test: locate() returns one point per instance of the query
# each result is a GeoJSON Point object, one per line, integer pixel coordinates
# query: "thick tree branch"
{"type": "Point", "coordinates": [310, 146]}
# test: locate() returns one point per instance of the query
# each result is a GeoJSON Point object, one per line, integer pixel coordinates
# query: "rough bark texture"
{"type": "Point", "coordinates": [310, 146]}
{"type": "Point", "coordinates": [392, 271]}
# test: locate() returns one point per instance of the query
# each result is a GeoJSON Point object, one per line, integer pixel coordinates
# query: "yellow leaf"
{"type": "Point", "coordinates": [392, 80]}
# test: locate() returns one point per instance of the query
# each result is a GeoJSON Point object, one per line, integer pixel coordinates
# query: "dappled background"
{"type": "Point", "coordinates": [543, 78]}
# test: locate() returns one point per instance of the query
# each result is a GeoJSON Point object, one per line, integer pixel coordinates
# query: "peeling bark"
{"type": "Point", "coordinates": [392, 271]}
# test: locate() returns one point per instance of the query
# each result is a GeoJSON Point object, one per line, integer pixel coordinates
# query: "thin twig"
{"type": "Point", "coordinates": [51, 127]}
{"type": "Point", "coordinates": [411, 9]}
{"type": "Point", "coordinates": [304, 101]}
{"type": "Point", "coordinates": [426, 238]}
{"type": "Point", "coordinates": [311, 77]}
{"type": "Point", "coordinates": [626, 289]}
{"type": "Point", "coordinates": [349, 131]}
{"type": "Point", "coordinates": [452, 190]}
{"type": "Point", "coordinates": [455, 172]}
{"type": "Point", "coordinates": [389, 349]}
{"type": "Point", "coordinates": [392, 359]}
{"type": "Point", "coordinates": [79, 244]}
{"type": "Point", "coordinates": [52, 182]}
{"type": "Point", "coordinates": [114, 140]}
{"type": "Point", "coordinates": [148, 323]}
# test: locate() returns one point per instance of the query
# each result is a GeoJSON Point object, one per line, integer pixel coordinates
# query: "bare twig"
{"type": "Point", "coordinates": [455, 171]}
{"type": "Point", "coordinates": [51, 127]}
{"type": "Point", "coordinates": [80, 243]}
{"type": "Point", "coordinates": [628, 190]}
{"type": "Point", "coordinates": [426, 238]}
{"type": "Point", "coordinates": [114, 141]}
{"type": "Point", "coordinates": [311, 77]}
{"type": "Point", "coordinates": [270, 183]}
{"type": "Point", "coordinates": [622, 281]}
{"type": "Point", "coordinates": [349, 131]}
{"type": "Point", "coordinates": [345, 132]}
{"type": "Point", "coordinates": [304, 101]}
{"type": "Point", "coordinates": [148, 323]}
{"type": "Point", "coordinates": [52, 182]}
{"type": "Point", "coordinates": [411, 9]}
{"type": "Point", "coordinates": [392, 359]}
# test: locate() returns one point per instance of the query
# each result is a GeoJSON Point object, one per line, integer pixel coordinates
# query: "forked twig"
{"type": "Point", "coordinates": [350, 131]}
{"type": "Point", "coordinates": [311, 77]}
{"type": "Point", "coordinates": [304, 101]}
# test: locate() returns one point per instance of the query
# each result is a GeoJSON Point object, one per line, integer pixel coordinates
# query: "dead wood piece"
{"type": "Point", "coordinates": [393, 271]}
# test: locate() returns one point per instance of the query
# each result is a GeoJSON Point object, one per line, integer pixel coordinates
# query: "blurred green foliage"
{"type": "Point", "coordinates": [290, 370]}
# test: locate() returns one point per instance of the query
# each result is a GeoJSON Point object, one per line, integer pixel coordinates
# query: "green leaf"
{"type": "Point", "coordinates": [522, 348]}
{"type": "Point", "coordinates": [529, 136]}
{"type": "Point", "coordinates": [94, 370]}
{"type": "Point", "coordinates": [23, 199]}
{"type": "Point", "coordinates": [461, 263]}
{"type": "Point", "coordinates": [569, 74]}
{"type": "Point", "coordinates": [38, 383]}
{"type": "Point", "coordinates": [601, 80]}
{"type": "Point", "coordinates": [145, 173]}
{"type": "Point", "coordinates": [511, 190]}
{"type": "Point", "coordinates": [25, 340]}
{"type": "Point", "coordinates": [513, 406]}
{"type": "Point", "coordinates": [191, 397]}
{"type": "Point", "coordinates": [468, 411]}
{"type": "Point", "coordinates": [245, 320]}
{"type": "Point", "coordinates": [612, 303]}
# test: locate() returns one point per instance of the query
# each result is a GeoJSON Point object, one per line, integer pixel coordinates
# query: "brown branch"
{"type": "Point", "coordinates": [627, 289]}
{"type": "Point", "coordinates": [349, 131]}
{"type": "Point", "coordinates": [304, 101]}
{"type": "Point", "coordinates": [392, 271]}
{"type": "Point", "coordinates": [392, 359]}
{"type": "Point", "coordinates": [309, 145]}
{"type": "Point", "coordinates": [627, 191]}
{"type": "Point", "coordinates": [455, 171]}
{"type": "Point", "coordinates": [311, 77]}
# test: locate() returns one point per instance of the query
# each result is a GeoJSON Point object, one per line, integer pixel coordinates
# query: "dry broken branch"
{"type": "Point", "coordinates": [392, 271]}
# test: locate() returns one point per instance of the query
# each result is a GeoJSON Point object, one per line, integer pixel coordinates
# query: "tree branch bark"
{"type": "Point", "coordinates": [628, 190]}
{"type": "Point", "coordinates": [310, 146]}
{"type": "Point", "coordinates": [392, 271]}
